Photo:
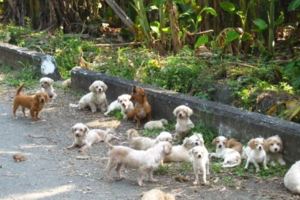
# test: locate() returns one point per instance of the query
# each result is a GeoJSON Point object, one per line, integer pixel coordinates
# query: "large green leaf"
{"type": "Point", "coordinates": [294, 5]}
{"type": "Point", "coordinates": [209, 10]}
{"type": "Point", "coordinates": [261, 24]}
{"type": "Point", "coordinates": [231, 36]}
{"type": "Point", "coordinates": [227, 6]}
{"type": "Point", "coordinates": [202, 40]}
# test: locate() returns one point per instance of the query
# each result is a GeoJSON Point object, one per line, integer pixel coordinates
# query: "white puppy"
{"type": "Point", "coordinates": [156, 124]}
{"type": "Point", "coordinates": [180, 153]}
{"type": "Point", "coordinates": [232, 158]}
{"type": "Point", "coordinates": [84, 138]}
{"type": "Point", "coordinates": [47, 86]}
{"type": "Point", "coordinates": [122, 103]}
{"type": "Point", "coordinates": [144, 160]}
{"type": "Point", "coordinates": [183, 121]}
{"type": "Point", "coordinates": [255, 153]}
{"type": "Point", "coordinates": [142, 143]}
{"type": "Point", "coordinates": [274, 148]}
{"type": "Point", "coordinates": [96, 98]}
{"type": "Point", "coordinates": [200, 160]}
{"type": "Point", "coordinates": [292, 178]}
{"type": "Point", "coordinates": [156, 194]}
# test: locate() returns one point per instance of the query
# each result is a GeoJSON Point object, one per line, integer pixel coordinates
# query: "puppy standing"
{"type": "Point", "coordinates": [200, 161]}
{"type": "Point", "coordinates": [183, 121]}
{"type": "Point", "coordinates": [255, 153]}
{"type": "Point", "coordinates": [142, 108]}
{"type": "Point", "coordinates": [122, 103]}
{"type": "Point", "coordinates": [145, 161]}
{"type": "Point", "coordinates": [34, 103]}
{"type": "Point", "coordinates": [274, 148]}
{"type": "Point", "coordinates": [47, 86]}
{"type": "Point", "coordinates": [96, 98]}
{"type": "Point", "coordinates": [292, 178]}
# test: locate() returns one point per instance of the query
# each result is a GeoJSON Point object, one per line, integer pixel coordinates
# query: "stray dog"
{"type": "Point", "coordinates": [156, 124]}
{"type": "Point", "coordinates": [96, 98]}
{"type": "Point", "coordinates": [34, 103]}
{"type": "Point", "coordinates": [47, 86]}
{"type": "Point", "coordinates": [156, 194]}
{"type": "Point", "coordinates": [274, 148]}
{"type": "Point", "coordinates": [255, 153]}
{"type": "Point", "coordinates": [200, 160]}
{"type": "Point", "coordinates": [180, 153]}
{"type": "Point", "coordinates": [122, 103]}
{"type": "Point", "coordinates": [234, 144]}
{"type": "Point", "coordinates": [183, 121]}
{"type": "Point", "coordinates": [232, 158]}
{"type": "Point", "coordinates": [84, 138]}
{"type": "Point", "coordinates": [142, 108]}
{"type": "Point", "coordinates": [142, 143]}
{"type": "Point", "coordinates": [144, 160]}
{"type": "Point", "coordinates": [292, 178]}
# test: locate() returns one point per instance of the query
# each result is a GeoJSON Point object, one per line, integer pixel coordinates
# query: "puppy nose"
{"type": "Point", "coordinates": [276, 149]}
{"type": "Point", "coordinates": [77, 135]}
{"type": "Point", "coordinates": [199, 156]}
{"type": "Point", "coordinates": [51, 96]}
{"type": "Point", "coordinates": [259, 147]}
{"type": "Point", "coordinates": [196, 143]}
{"type": "Point", "coordinates": [220, 146]}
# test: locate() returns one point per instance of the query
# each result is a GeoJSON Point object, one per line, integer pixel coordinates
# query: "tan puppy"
{"type": "Point", "coordinates": [274, 148]}
{"type": "Point", "coordinates": [156, 194]}
{"type": "Point", "coordinates": [34, 103]}
{"type": "Point", "coordinates": [183, 121]}
{"type": "Point", "coordinates": [145, 161]}
{"type": "Point", "coordinates": [156, 124]}
{"type": "Point", "coordinates": [234, 144]}
{"type": "Point", "coordinates": [47, 86]}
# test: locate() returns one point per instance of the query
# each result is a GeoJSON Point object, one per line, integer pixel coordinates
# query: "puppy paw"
{"type": "Point", "coordinates": [195, 183]}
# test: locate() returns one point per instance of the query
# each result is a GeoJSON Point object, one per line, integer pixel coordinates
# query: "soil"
{"type": "Point", "coordinates": [52, 172]}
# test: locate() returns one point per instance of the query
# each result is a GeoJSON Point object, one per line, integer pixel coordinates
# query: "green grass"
{"type": "Point", "coordinates": [151, 133]}
{"type": "Point", "coordinates": [185, 168]}
{"type": "Point", "coordinates": [162, 170]}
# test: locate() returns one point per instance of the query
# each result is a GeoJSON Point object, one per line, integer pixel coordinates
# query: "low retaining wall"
{"type": "Point", "coordinates": [18, 57]}
{"type": "Point", "coordinates": [227, 120]}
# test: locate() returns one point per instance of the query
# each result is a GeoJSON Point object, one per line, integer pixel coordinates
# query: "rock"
{"type": "Point", "coordinates": [19, 157]}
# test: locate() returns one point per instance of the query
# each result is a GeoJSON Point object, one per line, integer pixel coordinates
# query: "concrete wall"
{"type": "Point", "coordinates": [227, 120]}
{"type": "Point", "coordinates": [18, 57]}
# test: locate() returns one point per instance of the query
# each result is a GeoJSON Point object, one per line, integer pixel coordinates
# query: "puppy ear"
{"type": "Point", "coordinates": [267, 144]}
{"type": "Point", "coordinates": [134, 89]}
{"type": "Point", "coordinates": [214, 142]}
{"type": "Point", "coordinates": [175, 111]}
{"type": "Point", "coordinates": [51, 80]}
{"type": "Point", "coordinates": [104, 87]}
{"type": "Point", "coordinates": [91, 88]}
{"type": "Point", "coordinates": [86, 129]}
{"type": "Point", "coordinates": [186, 142]}
{"type": "Point", "coordinates": [251, 144]}
{"type": "Point", "coordinates": [189, 111]}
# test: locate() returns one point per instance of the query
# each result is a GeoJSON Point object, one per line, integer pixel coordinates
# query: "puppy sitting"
{"type": "Point", "coordinates": [183, 122]}
{"type": "Point", "coordinates": [232, 158]}
{"type": "Point", "coordinates": [84, 138]}
{"type": "Point", "coordinates": [200, 160]}
{"type": "Point", "coordinates": [156, 194]}
{"type": "Point", "coordinates": [34, 103]}
{"type": "Point", "coordinates": [142, 143]}
{"type": "Point", "coordinates": [144, 160]}
{"type": "Point", "coordinates": [96, 98]}
{"type": "Point", "coordinates": [122, 103]}
{"type": "Point", "coordinates": [274, 148]}
{"type": "Point", "coordinates": [156, 124]}
{"type": "Point", "coordinates": [47, 86]}
{"type": "Point", "coordinates": [180, 153]}
{"type": "Point", "coordinates": [142, 108]}
{"type": "Point", "coordinates": [292, 178]}
{"type": "Point", "coordinates": [255, 153]}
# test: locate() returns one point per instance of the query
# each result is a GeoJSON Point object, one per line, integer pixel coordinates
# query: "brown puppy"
{"type": "Point", "coordinates": [142, 108]}
{"type": "Point", "coordinates": [34, 103]}
{"type": "Point", "coordinates": [234, 144]}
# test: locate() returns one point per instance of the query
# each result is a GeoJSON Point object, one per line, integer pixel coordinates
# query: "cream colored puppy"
{"type": "Point", "coordinates": [47, 86]}
{"type": "Point", "coordinates": [122, 103]}
{"type": "Point", "coordinates": [274, 149]}
{"type": "Point", "coordinates": [292, 178]}
{"type": "Point", "coordinates": [142, 143]}
{"type": "Point", "coordinates": [200, 160]}
{"type": "Point", "coordinates": [156, 194]}
{"type": "Point", "coordinates": [96, 98]}
{"type": "Point", "coordinates": [84, 138]}
{"type": "Point", "coordinates": [183, 121]}
{"type": "Point", "coordinates": [146, 161]}
{"type": "Point", "coordinates": [156, 124]}
{"type": "Point", "coordinates": [180, 153]}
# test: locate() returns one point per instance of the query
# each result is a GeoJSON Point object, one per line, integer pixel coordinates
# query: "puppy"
{"type": "Point", "coordinates": [34, 103]}
{"type": "Point", "coordinates": [183, 121]}
{"type": "Point", "coordinates": [292, 178]}
{"type": "Point", "coordinates": [255, 153]}
{"type": "Point", "coordinates": [274, 148]}
{"type": "Point", "coordinates": [232, 158]}
{"type": "Point", "coordinates": [96, 98]}
{"type": "Point", "coordinates": [84, 138]}
{"type": "Point", "coordinates": [47, 86]}
{"type": "Point", "coordinates": [156, 124]}
{"type": "Point", "coordinates": [122, 103]}
{"type": "Point", "coordinates": [144, 160]}
{"type": "Point", "coordinates": [200, 160]}
{"type": "Point", "coordinates": [142, 143]}
{"type": "Point", "coordinates": [156, 194]}
{"type": "Point", "coordinates": [180, 153]}
{"type": "Point", "coordinates": [234, 144]}
{"type": "Point", "coordinates": [142, 108]}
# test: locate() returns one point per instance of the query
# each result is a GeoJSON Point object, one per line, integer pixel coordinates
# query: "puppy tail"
{"type": "Point", "coordinates": [229, 165]}
{"type": "Point", "coordinates": [20, 89]}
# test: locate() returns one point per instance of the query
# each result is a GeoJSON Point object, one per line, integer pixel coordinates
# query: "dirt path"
{"type": "Point", "coordinates": [51, 172]}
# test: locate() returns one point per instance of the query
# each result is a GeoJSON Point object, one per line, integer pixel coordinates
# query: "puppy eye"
{"type": "Point", "coordinates": [272, 144]}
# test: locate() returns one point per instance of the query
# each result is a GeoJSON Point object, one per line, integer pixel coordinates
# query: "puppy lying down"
{"type": "Point", "coordinates": [156, 194]}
